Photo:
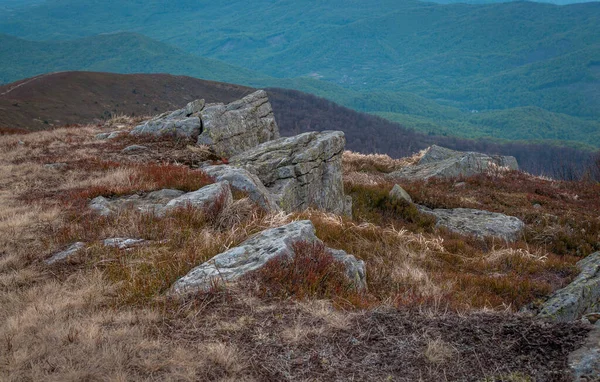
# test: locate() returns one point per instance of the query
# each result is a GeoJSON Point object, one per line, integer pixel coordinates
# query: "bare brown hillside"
{"type": "Point", "coordinates": [64, 98]}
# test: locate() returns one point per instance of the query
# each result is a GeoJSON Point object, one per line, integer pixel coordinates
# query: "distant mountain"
{"type": "Point", "coordinates": [117, 52]}
{"type": "Point", "coordinates": [482, 57]}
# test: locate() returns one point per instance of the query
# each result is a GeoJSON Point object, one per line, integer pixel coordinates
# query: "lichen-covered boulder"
{"type": "Point", "coordinates": [64, 254]}
{"type": "Point", "coordinates": [236, 127]}
{"type": "Point", "coordinates": [184, 123]}
{"type": "Point", "coordinates": [302, 171]}
{"type": "Point", "coordinates": [445, 163]}
{"type": "Point", "coordinates": [578, 298]}
{"type": "Point", "coordinates": [478, 223]}
{"type": "Point", "coordinates": [243, 180]}
{"type": "Point", "coordinates": [255, 252]}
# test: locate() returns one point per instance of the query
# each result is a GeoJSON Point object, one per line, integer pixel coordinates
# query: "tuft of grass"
{"type": "Point", "coordinates": [311, 273]}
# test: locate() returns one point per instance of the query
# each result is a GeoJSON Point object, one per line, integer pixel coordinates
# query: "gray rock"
{"type": "Point", "coordinates": [585, 362]}
{"type": "Point", "coordinates": [256, 252]}
{"type": "Point", "coordinates": [102, 136]}
{"type": "Point", "coordinates": [302, 171]}
{"type": "Point", "coordinates": [116, 134]}
{"type": "Point", "coordinates": [243, 180]}
{"type": "Point", "coordinates": [162, 201]}
{"type": "Point", "coordinates": [479, 223]}
{"type": "Point", "coordinates": [134, 149]}
{"type": "Point", "coordinates": [399, 193]}
{"type": "Point", "coordinates": [206, 197]}
{"type": "Point", "coordinates": [164, 195]}
{"type": "Point", "coordinates": [62, 255]}
{"type": "Point", "coordinates": [101, 206]}
{"type": "Point", "coordinates": [123, 243]}
{"type": "Point", "coordinates": [348, 206]}
{"type": "Point", "coordinates": [236, 127]}
{"type": "Point", "coordinates": [578, 298]}
{"type": "Point", "coordinates": [446, 163]}
{"type": "Point", "coordinates": [183, 123]}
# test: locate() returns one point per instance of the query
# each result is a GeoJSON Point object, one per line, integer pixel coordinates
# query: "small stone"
{"type": "Point", "coordinates": [400, 194]}
{"type": "Point", "coordinates": [71, 250]}
{"type": "Point", "coordinates": [206, 197]}
{"type": "Point", "coordinates": [537, 206]}
{"type": "Point", "coordinates": [56, 166]}
{"type": "Point", "coordinates": [134, 149]}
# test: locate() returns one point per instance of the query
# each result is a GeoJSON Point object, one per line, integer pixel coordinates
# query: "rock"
{"type": "Point", "coordinates": [302, 171]}
{"type": "Point", "coordinates": [71, 250]}
{"type": "Point", "coordinates": [241, 125]}
{"type": "Point", "coordinates": [116, 134]}
{"type": "Point", "coordinates": [164, 195]}
{"type": "Point", "coordinates": [578, 298]}
{"type": "Point", "coordinates": [160, 202]}
{"type": "Point", "coordinates": [477, 222]}
{"type": "Point", "coordinates": [102, 136]}
{"type": "Point", "coordinates": [183, 123]}
{"type": "Point", "coordinates": [204, 198]}
{"type": "Point", "coordinates": [446, 163]}
{"type": "Point", "coordinates": [255, 252]}
{"type": "Point", "coordinates": [123, 243]}
{"type": "Point", "coordinates": [537, 206]}
{"type": "Point", "coordinates": [585, 362]}
{"type": "Point", "coordinates": [101, 205]}
{"type": "Point", "coordinates": [134, 149]}
{"type": "Point", "coordinates": [400, 194]}
{"type": "Point", "coordinates": [245, 181]}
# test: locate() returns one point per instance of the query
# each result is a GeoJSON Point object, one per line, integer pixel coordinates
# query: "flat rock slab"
{"type": "Point", "coordinates": [254, 253]}
{"type": "Point", "coordinates": [163, 201]}
{"type": "Point", "coordinates": [69, 251]}
{"type": "Point", "coordinates": [301, 172]}
{"type": "Point", "coordinates": [478, 223]}
{"type": "Point", "coordinates": [578, 298]}
{"type": "Point", "coordinates": [445, 163]}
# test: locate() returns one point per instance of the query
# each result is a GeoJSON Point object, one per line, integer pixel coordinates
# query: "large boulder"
{"type": "Point", "coordinates": [236, 127]}
{"type": "Point", "coordinates": [478, 223]}
{"type": "Point", "coordinates": [302, 171]}
{"type": "Point", "coordinates": [243, 180]}
{"type": "Point", "coordinates": [578, 298]}
{"type": "Point", "coordinates": [183, 123]}
{"type": "Point", "coordinates": [445, 163]}
{"type": "Point", "coordinates": [256, 252]}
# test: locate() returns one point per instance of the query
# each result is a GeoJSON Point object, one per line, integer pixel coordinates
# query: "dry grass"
{"type": "Point", "coordinates": [104, 314]}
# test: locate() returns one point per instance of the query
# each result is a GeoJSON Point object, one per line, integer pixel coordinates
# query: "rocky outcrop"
{"type": "Point", "coordinates": [302, 171]}
{"type": "Point", "coordinates": [256, 252]}
{"type": "Point", "coordinates": [239, 126]}
{"type": "Point", "coordinates": [477, 222]}
{"type": "Point", "coordinates": [243, 180]}
{"type": "Point", "coordinates": [578, 298]}
{"type": "Point", "coordinates": [163, 201]}
{"type": "Point", "coordinates": [446, 163]}
{"type": "Point", "coordinates": [182, 123]}
{"type": "Point", "coordinates": [227, 129]}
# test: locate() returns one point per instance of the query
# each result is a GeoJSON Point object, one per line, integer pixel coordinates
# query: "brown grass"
{"type": "Point", "coordinates": [104, 314]}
